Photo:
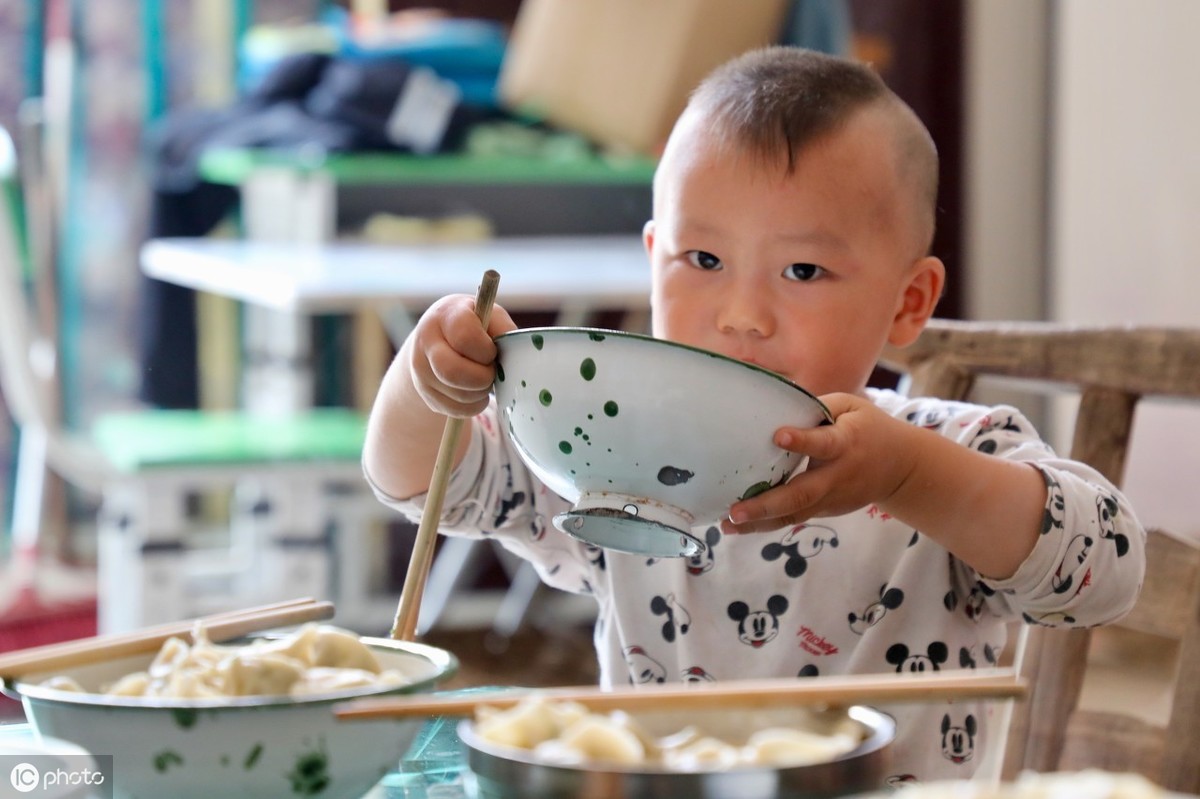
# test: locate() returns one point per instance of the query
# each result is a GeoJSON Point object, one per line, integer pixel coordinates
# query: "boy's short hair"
{"type": "Point", "coordinates": [774, 101]}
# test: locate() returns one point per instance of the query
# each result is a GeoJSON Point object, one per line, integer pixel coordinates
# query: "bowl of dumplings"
{"type": "Point", "coordinates": [250, 718]}
{"type": "Point", "coordinates": [539, 748]}
{"type": "Point", "coordinates": [650, 440]}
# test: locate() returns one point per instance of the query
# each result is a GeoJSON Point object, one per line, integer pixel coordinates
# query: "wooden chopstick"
{"type": "Point", "coordinates": [218, 626]}
{"type": "Point", "coordinates": [740, 694]}
{"type": "Point", "coordinates": [404, 626]}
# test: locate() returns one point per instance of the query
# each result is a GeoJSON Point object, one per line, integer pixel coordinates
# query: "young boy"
{"type": "Point", "coordinates": [793, 213]}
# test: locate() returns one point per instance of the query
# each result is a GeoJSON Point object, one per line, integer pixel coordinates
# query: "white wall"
{"type": "Point", "coordinates": [1006, 148]}
{"type": "Point", "coordinates": [1083, 192]}
{"type": "Point", "coordinates": [1125, 206]}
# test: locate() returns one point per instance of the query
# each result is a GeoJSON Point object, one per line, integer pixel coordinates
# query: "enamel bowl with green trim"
{"type": "Point", "coordinates": [649, 439]}
{"type": "Point", "coordinates": [237, 747]}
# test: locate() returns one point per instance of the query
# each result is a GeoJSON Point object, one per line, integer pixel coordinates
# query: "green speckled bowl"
{"type": "Point", "coordinates": [648, 439]}
{"type": "Point", "coordinates": [248, 747]}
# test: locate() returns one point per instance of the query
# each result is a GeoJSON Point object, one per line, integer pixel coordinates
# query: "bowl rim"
{"type": "Point", "coordinates": [572, 331]}
{"type": "Point", "coordinates": [443, 660]}
{"type": "Point", "coordinates": [881, 728]}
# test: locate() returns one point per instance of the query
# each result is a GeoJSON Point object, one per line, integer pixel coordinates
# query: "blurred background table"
{"type": "Point", "coordinates": [572, 276]}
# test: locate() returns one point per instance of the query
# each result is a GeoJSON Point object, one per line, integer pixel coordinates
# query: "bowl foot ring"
{"type": "Point", "coordinates": [623, 529]}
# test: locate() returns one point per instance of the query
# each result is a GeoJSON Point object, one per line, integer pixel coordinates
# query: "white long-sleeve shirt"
{"type": "Point", "coordinates": [857, 593]}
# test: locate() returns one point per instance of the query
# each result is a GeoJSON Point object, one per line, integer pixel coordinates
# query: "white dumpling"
{"type": "Point", "coordinates": [185, 685]}
{"type": "Point", "coordinates": [557, 753]}
{"type": "Point", "coordinates": [650, 744]}
{"type": "Point", "coordinates": [264, 674]}
{"type": "Point", "coordinates": [171, 655]}
{"type": "Point", "coordinates": [678, 739]}
{"type": "Point", "coordinates": [323, 680]}
{"type": "Point", "coordinates": [134, 684]}
{"type": "Point", "coordinates": [786, 746]}
{"type": "Point", "coordinates": [524, 725]}
{"type": "Point", "coordinates": [703, 754]}
{"type": "Point", "coordinates": [566, 713]}
{"type": "Point", "coordinates": [343, 650]}
{"type": "Point", "coordinates": [604, 738]}
{"type": "Point", "coordinates": [62, 683]}
{"type": "Point", "coordinates": [296, 645]}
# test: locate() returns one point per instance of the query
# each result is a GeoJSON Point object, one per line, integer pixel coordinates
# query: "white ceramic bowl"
{"type": "Point", "coordinates": [646, 437]}
{"type": "Point", "coordinates": [248, 747]}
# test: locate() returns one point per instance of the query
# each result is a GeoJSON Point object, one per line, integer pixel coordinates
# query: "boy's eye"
{"type": "Point", "coordinates": [803, 272]}
{"type": "Point", "coordinates": [704, 260]}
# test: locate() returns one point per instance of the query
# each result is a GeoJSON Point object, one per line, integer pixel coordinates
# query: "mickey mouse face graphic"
{"type": "Point", "coordinates": [1053, 619]}
{"type": "Point", "coordinates": [537, 527]}
{"type": "Point", "coordinates": [1064, 576]}
{"type": "Point", "coordinates": [643, 668]}
{"type": "Point", "coordinates": [509, 500]}
{"type": "Point", "coordinates": [935, 655]}
{"type": "Point", "coordinates": [929, 418]}
{"type": "Point", "coordinates": [595, 556]}
{"type": "Point", "coordinates": [992, 431]}
{"type": "Point", "coordinates": [958, 740]}
{"type": "Point", "coordinates": [1106, 514]}
{"type": "Point", "coordinates": [678, 619]}
{"type": "Point", "coordinates": [967, 659]}
{"type": "Point", "coordinates": [701, 562]}
{"type": "Point", "coordinates": [976, 600]}
{"type": "Point", "coordinates": [889, 599]}
{"type": "Point", "coordinates": [761, 626]}
{"type": "Point", "coordinates": [798, 545]}
{"type": "Point", "coordinates": [696, 674]}
{"type": "Point", "coordinates": [1056, 505]}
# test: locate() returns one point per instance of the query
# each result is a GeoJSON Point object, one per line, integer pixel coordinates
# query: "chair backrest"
{"type": "Point", "coordinates": [1111, 369]}
{"type": "Point", "coordinates": [30, 396]}
{"type": "Point", "coordinates": [22, 390]}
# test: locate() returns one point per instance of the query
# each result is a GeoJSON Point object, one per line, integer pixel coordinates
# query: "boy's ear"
{"type": "Point", "coordinates": [648, 236]}
{"type": "Point", "coordinates": [919, 296]}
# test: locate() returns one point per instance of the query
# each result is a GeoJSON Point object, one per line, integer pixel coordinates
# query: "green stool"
{"type": "Point", "coordinates": [146, 466]}
{"type": "Point", "coordinates": [284, 471]}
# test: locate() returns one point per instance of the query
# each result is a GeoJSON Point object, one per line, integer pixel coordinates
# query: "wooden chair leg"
{"type": "Point", "coordinates": [1054, 696]}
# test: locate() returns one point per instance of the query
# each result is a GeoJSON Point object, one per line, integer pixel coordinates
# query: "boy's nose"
{"type": "Point", "coordinates": [746, 310]}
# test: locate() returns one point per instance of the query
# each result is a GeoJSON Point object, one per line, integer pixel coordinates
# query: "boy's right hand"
{"type": "Point", "coordinates": [452, 359]}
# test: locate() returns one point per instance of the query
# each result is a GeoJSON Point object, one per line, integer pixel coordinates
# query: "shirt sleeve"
{"type": "Point", "coordinates": [492, 494]}
{"type": "Point", "coordinates": [1088, 563]}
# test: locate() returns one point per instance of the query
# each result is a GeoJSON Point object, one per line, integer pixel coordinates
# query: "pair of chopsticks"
{"type": "Point", "coordinates": [218, 627]}
{"type": "Point", "coordinates": [732, 694]}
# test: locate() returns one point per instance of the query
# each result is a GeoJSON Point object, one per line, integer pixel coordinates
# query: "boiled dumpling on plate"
{"type": "Point", "coordinates": [787, 746]}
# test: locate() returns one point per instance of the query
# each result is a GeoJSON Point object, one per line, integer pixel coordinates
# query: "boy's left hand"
{"type": "Point", "coordinates": [863, 458]}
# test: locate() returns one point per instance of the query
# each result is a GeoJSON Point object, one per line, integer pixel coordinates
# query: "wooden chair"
{"type": "Point", "coordinates": [147, 464]}
{"type": "Point", "coordinates": [1112, 369]}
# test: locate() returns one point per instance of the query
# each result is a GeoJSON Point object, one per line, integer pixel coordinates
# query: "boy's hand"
{"type": "Point", "coordinates": [864, 457]}
{"type": "Point", "coordinates": [452, 358]}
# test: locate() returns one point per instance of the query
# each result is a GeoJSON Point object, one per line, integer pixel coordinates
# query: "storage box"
{"type": "Point", "coordinates": [620, 71]}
